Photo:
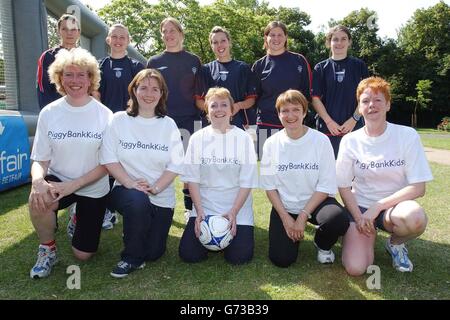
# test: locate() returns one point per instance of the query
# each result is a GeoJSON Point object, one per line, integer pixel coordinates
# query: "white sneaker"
{"type": "Point", "coordinates": [45, 262]}
{"type": "Point", "coordinates": [324, 256]}
{"type": "Point", "coordinates": [109, 220]}
{"type": "Point", "coordinates": [399, 254]}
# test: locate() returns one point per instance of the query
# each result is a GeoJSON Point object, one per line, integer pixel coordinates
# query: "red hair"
{"type": "Point", "coordinates": [377, 84]}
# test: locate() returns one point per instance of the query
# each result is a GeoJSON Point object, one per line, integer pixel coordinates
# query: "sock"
{"type": "Point", "coordinates": [51, 245]}
{"type": "Point", "coordinates": [187, 199]}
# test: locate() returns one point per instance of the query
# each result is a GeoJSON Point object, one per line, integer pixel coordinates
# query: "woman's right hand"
{"type": "Point", "coordinates": [333, 127]}
{"type": "Point", "coordinates": [40, 195]}
{"type": "Point", "coordinates": [198, 220]}
{"type": "Point", "coordinates": [289, 227]}
{"type": "Point", "coordinates": [138, 184]}
{"type": "Point", "coordinates": [365, 225]}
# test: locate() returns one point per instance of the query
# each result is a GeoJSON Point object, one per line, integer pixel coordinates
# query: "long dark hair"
{"type": "Point", "coordinates": [133, 105]}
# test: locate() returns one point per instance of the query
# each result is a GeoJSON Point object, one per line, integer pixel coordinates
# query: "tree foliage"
{"type": "Point", "coordinates": [421, 100]}
{"type": "Point", "coordinates": [425, 45]}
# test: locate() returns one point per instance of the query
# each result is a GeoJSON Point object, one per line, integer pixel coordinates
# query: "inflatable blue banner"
{"type": "Point", "coordinates": [14, 152]}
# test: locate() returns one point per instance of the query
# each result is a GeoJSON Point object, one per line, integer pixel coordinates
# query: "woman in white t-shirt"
{"type": "Point", "coordinates": [66, 168]}
{"type": "Point", "coordinates": [142, 150]}
{"type": "Point", "coordinates": [221, 168]}
{"type": "Point", "coordinates": [298, 174]}
{"type": "Point", "coordinates": [381, 168]}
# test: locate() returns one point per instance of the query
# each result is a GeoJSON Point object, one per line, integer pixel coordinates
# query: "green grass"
{"type": "Point", "coordinates": [436, 143]}
{"type": "Point", "coordinates": [436, 139]}
{"type": "Point", "coordinates": [170, 278]}
{"type": "Point", "coordinates": [432, 131]}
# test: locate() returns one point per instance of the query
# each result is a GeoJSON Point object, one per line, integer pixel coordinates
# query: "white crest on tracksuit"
{"type": "Point", "coordinates": [118, 72]}
{"type": "Point", "coordinates": [223, 75]}
{"type": "Point", "coordinates": [300, 69]}
{"type": "Point", "coordinates": [194, 70]}
{"type": "Point", "coordinates": [340, 75]}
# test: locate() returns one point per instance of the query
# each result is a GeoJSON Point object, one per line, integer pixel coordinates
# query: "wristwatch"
{"type": "Point", "coordinates": [156, 189]}
{"type": "Point", "coordinates": [356, 116]}
{"type": "Point", "coordinates": [306, 212]}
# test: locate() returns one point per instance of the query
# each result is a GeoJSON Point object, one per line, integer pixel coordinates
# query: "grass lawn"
{"type": "Point", "coordinates": [436, 139]}
{"type": "Point", "coordinates": [170, 278]}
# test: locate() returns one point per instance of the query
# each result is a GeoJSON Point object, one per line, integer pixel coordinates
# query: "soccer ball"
{"type": "Point", "coordinates": [215, 233]}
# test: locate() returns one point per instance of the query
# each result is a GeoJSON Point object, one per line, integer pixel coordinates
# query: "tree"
{"type": "Point", "coordinates": [365, 42]}
{"type": "Point", "coordinates": [52, 32]}
{"type": "Point", "coordinates": [425, 42]}
{"type": "Point", "coordinates": [141, 21]}
{"type": "Point", "coordinates": [421, 100]}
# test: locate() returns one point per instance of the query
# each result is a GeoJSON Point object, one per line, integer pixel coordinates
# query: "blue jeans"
{"type": "Point", "coordinates": [145, 226]}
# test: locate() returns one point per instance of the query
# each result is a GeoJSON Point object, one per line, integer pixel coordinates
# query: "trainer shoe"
{"type": "Point", "coordinates": [324, 256]}
{"type": "Point", "coordinates": [72, 221]}
{"type": "Point", "coordinates": [45, 262]}
{"type": "Point", "coordinates": [124, 268]}
{"type": "Point", "coordinates": [109, 220]}
{"type": "Point", "coordinates": [399, 254]}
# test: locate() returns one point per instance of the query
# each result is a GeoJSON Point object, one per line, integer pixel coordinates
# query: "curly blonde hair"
{"type": "Point", "coordinates": [74, 57]}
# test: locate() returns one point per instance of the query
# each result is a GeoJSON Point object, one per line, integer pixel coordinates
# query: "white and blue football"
{"type": "Point", "coordinates": [215, 232]}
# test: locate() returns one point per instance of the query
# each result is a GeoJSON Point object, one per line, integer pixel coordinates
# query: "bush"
{"type": "Point", "coordinates": [445, 124]}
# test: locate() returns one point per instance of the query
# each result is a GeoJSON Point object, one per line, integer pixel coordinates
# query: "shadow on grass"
{"type": "Point", "coordinates": [14, 198]}
{"type": "Point", "coordinates": [170, 278]}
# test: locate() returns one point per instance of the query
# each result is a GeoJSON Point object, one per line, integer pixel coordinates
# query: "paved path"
{"type": "Point", "coordinates": [438, 155]}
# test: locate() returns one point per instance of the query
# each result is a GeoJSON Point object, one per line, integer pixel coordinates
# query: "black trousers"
{"type": "Point", "coordinates": [332, 220]}
{"type": "Point", "coordinates": [145, 226]}
{"type": "Point", "coordinates": [239, 251]}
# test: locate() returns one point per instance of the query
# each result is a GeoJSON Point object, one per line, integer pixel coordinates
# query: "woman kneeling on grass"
{"type": "Point", "coordinates": [66, 168]}
{"type": "Point", "coordinates": [381, 169]}
{"type": "Point", "coordinates": [298, 174]}
{"type": "Point", "coordinates": [142, 150]}
{"type": "Point", "coordinates": [221, 169]}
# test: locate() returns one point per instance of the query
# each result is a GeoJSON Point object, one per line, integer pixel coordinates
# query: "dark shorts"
{"type": "Point", "coordinates": [187, 126]}
{"type": "Point", "coordinates": [378, 223]}
{"type": "Point", "coordinates": [90, 212]}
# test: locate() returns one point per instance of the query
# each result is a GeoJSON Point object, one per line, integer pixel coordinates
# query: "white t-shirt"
{"type": "Point", "coordinates": [145, 147]}
{"type": "Point", "coordinates": [222, 164]}
{"type": "Point", "coordinates": [298, 168]}
{"type": "Point", "coordinates": [377, 167]}
{"type": "Point", "coordinates": [70, 138]}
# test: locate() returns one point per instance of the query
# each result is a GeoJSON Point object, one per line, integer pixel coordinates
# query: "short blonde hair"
{"type": "Point", "coordinates": [70, 18]}
{"type": "Point", "coordinates": [173, 21]}
{"type": "Point", "coordinates": [377, 84]}
{"type": "Point", "coordinates": [74, 57]}
{"type": "Point", "coordinates": [118, 26]}
{"type": "Point", "coordinates": [294, 97]}
{"type": "Point", "coordinates": [219, 92]}
{"type": "Point", "coordinates": [218, 29]}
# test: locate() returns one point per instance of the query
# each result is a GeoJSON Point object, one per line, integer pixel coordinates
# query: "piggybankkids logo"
{"type": "Point", "coordinates": [381, 164]}
{"type": "Point", "coordinates": [297, 166]}
{"type": "Point", "coordinates": [60, 135]}
{"type": "Point", "coordinates": [144, 146]}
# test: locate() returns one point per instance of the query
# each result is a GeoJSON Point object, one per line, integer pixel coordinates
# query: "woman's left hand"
{"type": "Point", "coordinates": [58, 190]}
{"type": "Point", "coordinates": [299, 227]}
{"type": "Point", "coordinates": [367, 223]}
{"type": "Point", "coordinates": [347, 126]}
